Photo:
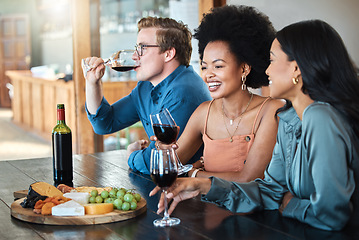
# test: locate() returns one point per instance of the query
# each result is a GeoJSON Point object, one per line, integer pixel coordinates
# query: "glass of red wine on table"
{"type": "Point", "coordinates": [120, 61]}
{"type": "Point", "coordinates": [163, 170]}
{"type": "Point", "coordinates": [166, 131]}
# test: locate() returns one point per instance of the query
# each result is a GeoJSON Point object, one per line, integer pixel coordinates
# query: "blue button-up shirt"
{"type": "Point", "coordinates": [316, 159]}
{"type": "Point", "coordinates": [181, 93]}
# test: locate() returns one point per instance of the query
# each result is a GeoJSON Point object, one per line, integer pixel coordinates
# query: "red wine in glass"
{"type": "Point", "coordinates": [163, 170]}
{"type": "Point", "coordinates": [164, 180]}
{"type": "Point", "coordinates": [166, 133]}
{"type": "Point", "coordinates": [123, 68]}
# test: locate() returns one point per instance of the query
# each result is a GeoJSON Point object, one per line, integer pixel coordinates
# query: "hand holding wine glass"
{"type": "Point", "coordinates": [163, 171]}
{"type": "Point", "coordinates": [166, 131]}
{"type": "Point", "coordinates": [120, 61]}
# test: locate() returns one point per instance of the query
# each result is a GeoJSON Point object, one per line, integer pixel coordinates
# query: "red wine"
{"type": "Point", "coordinates": [165, 133]}
{"type": "Point", "coordinates": [62, 158]}
{"type": "Point", "coordinates": [164, 180]}
{"type": "Point", "coordinates": [123, 68]}
{"type": "Point", "coordinates": [62, 150]}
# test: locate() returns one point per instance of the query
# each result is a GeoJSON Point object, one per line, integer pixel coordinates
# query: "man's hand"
{"type": "Point", "coordinates": [97, 71]}
{"type": "Point", "coordinates": [160, 145]}
{"type": "Point", "coordinates": [182, 189]}
{"type": "Point", "coordinates": [135, 146]}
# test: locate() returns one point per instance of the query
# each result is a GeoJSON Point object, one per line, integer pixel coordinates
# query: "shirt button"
{"type": "Point", "coordinates": [156, 102]}
{"type": "Point", "coordinates": [248, 138]}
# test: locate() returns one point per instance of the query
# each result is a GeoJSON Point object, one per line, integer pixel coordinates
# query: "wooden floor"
{"type": "Point", "coordinates": [15, 143]}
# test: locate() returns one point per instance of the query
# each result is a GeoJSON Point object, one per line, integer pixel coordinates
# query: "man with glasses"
{"type": "Point", "coordinates": [166, 80]}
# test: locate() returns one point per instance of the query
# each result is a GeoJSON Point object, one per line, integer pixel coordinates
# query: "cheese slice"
{"type": "Point", "coordinates": [89, 189]}
{"type": "Point", "coordinates": [98, 208]}
{"type": "Point", "coordinates": [80, 197]}
{"type": "Point", "coordinates": [44, 189]}
{"type": "Point", "coordinates": [70, 208]}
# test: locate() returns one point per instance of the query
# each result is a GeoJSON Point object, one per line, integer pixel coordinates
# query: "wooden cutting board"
{"type": "Point", "coordinates": [27, 215]}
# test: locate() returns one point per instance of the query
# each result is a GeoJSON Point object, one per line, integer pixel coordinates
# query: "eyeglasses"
{"type": "Point", "coordinates": [139, 48]}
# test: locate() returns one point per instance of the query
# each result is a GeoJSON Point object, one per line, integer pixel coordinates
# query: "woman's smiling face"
{"type": "Point", "coordinates": [280, 73]}
{"type": "Point", "coordinates": [220, 70]}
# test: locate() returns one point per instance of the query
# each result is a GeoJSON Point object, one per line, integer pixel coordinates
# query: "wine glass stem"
{"type": "Point", "coordinates": [166, 216]}
{"type": "Point", "coordinates": [180, 165]}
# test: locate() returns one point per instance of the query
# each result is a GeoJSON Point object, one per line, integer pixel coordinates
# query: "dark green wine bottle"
{"type": "Point", "coordinates": [62, 150]}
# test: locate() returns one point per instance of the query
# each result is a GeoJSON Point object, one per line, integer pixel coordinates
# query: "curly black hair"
{"type": "Point", "coordinates": [249, 34]}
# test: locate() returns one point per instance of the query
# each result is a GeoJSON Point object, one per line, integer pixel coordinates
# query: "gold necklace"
{"type": "Point", "coordinates": [231, 120]}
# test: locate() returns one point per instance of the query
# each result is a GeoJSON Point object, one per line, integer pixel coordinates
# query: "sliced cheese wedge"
{"type": "Point", "coordinates": [98, 208]}
{"type": "Point", "coordinates": [80, 197]}
{"type": "Point", "coordinates": [70, 208]}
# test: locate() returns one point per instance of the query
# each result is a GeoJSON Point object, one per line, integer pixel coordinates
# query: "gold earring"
{"type": "Point", "coordinates": [295, 80]}
{"type": "Point", "coordinates": [244, 78]}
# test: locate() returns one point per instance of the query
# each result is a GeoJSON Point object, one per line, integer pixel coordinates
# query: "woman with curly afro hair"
{"type": "Point", "coordinates": [238, 128]}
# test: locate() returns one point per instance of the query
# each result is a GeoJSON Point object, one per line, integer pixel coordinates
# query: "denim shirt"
{"type": "Point", "coordinates": [181, 93]}
{"type": "Point", "coordinates": [317, 160]}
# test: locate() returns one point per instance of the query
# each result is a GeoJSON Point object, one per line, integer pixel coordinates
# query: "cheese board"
{"type": "Point", "coordinates": [27, 215]}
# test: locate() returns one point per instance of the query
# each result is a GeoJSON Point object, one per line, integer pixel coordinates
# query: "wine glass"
{"type": "Point", "coordinates": [120, 61]}
{"type": "Point", "coordinates": [166, 131]}
{"type": "Point", "coordinates": [163, 170]}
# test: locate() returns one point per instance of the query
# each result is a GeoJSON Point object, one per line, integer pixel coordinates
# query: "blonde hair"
{"type": "Point", "coordinates": [171, 34]}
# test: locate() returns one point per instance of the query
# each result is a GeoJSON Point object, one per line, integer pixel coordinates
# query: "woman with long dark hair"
{"type": "Point", "coordinates": [313, 174]}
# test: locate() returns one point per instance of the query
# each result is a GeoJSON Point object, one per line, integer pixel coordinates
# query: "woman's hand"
{"type": "Point", "coordinates": [286, 199]}
{"type": "Point", "coordinates": [182, 189]}
{"type": "Point", "coordinates": [199, 163]}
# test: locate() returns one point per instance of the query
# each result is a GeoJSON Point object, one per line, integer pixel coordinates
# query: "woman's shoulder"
{"type": "Point", "coordinates": [323, 116]}
{"type": "Point", "coordinates": [203, 108]}
{"type": "Point", "coordinates": [320, 110]}
{"type": "Point", "coordinates": [269, 106]}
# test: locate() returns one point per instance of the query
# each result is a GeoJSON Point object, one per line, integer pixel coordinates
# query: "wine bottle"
{"type": "Point", "coordinates": [62, 150]}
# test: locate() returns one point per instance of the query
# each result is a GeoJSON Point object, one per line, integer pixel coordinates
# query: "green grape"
{"type": "Point", "coordinates": [118, 203]}
{"type": "Point", "coordinates": [108, 200]}
{"type": "Point", "coordinates": [99, 199]}
{"type": "Point", "coordinates": [137, 196]}
{"type": "Point", "coordinates": [128, 197]}
{"type": "Point", "coordinates": [92, 199]}
{"type": "Point", "coordinates": [126, 206]}
{"type": "Point", "coordinates": [104, 194]}
{"type": "Point", "coordinates": [113, 193]}
{"type": "Point", "coordinates": [122, 198]}
{"type": "Point", "coordinates": [133, 205]}
{"type": "Point", "coordinates": [120, 193]}
{"type": "Point", "coordinates": [94, 193]}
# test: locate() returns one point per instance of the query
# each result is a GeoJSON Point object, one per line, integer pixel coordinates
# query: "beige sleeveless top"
{"type": "Point", "coordinates": [221, 155]}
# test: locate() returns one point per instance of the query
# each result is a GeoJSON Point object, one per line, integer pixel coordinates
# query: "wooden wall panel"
{"type": "Point", "coordinates": [114, 91]}
{"type": "Point", "coordinates": [16, 101]}
{"type": "Point", "coordinates": [37, 108]}
{"type": "Point", "coordinates": [49, 106]}
{"type": "Point", "coordinates": [14, 49]}
{"type": "Point", "coordinates": [26, 103]}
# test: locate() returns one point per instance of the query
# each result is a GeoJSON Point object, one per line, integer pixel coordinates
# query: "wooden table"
{"type": "Point", "coordinates": [199, 220]}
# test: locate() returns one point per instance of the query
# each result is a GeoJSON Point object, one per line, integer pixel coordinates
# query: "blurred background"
{"type": "Point", "coordinates": [43, 41]}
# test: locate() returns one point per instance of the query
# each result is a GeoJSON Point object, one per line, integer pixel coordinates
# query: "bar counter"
{"type": "Point", "coordinates": [35, 98]}
{"type": "Point", "coordinates": [199, 220]}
